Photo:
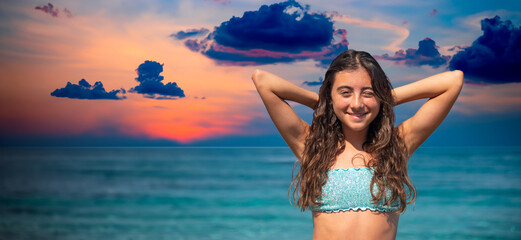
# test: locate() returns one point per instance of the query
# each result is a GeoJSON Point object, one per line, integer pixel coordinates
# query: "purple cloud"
{"type": "Point", "coordinates": [281, 32]}
{"type": "Point", "coordinates": [495, 57]}
{"type": "Point", "coordinates": [83, 90]}
{"type": "Point", "coordinates": [426, 54]}
{"type": "Point", "coordinates": [190, 33]}
{"type": "Point", "coordinates": [51, 10]}
{"type": "Point", "coordinates": [150, 82]}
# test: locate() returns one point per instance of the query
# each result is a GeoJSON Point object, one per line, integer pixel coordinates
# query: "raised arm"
{"type": "Point", "coordinates": [442, 90]}
{"type": "Point", "coordinates": [274, 91]}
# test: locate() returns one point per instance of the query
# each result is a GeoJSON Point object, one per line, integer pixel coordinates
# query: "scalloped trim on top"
{"type": "Point", "coordinates": [356, 209]}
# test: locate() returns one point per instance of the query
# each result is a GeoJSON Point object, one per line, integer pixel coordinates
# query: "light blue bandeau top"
{"type": "Point", "coordinates": [348, 189]}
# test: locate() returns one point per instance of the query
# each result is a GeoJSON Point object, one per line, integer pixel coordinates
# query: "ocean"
{"type": "Point", "coordinates": [235, 193]}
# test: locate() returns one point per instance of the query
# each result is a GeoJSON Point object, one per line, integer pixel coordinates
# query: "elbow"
{"type": "Point", "coordinates": [455, 80]}
{"type": "Point", "coordinates": [256, 77]}
{"type": "Point", "coordinates": [458, 78]}
{"type": "Point", "coordinates": [458, 74]}
{"type": "Point", "coordinates": [255, 74]}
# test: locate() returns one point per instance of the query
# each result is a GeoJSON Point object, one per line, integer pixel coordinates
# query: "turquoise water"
{"type": "Point", "coordinates": [235, 193]}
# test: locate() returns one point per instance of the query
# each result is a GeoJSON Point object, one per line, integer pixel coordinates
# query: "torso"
{"type": "Point", "coordinates": [354, 224]}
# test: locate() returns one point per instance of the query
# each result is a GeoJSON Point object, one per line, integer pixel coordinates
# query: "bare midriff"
{"type": "Point", "coordinates": [355, 225]}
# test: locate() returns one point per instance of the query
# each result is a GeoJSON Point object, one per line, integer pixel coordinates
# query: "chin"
{"type": "Point", "coordinates": [357, 127]}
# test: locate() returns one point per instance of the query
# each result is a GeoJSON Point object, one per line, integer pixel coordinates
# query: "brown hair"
{"type": "Point", "coordinates": [325, 140]}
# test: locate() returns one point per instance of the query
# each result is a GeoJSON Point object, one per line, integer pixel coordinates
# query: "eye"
{"type": "Point", "coordinates": [368, 94]}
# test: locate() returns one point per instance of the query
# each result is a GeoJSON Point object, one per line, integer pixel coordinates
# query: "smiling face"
{"type": "Point", "coordinates": [354, 101]}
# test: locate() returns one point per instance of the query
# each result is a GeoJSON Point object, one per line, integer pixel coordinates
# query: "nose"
{"type": "Point", "coordinates": [357, 103]}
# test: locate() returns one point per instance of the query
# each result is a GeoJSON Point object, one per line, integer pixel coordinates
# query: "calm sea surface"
{"type": "Point", "coordinates": [235, 193]}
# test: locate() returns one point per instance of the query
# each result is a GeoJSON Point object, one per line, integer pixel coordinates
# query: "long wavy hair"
{"type": "Point", "coordinates": [325, 140]}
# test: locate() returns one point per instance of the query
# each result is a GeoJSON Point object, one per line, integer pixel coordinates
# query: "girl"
{"type": "Point", "coordinates": [352, 159]}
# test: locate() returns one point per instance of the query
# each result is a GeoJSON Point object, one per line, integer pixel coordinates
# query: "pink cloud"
{"type": "Point", "coordinates": [324, 54]}
{"type": "Point", "coordinates": [272, 54]}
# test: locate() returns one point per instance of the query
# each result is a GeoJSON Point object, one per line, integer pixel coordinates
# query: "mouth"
{"type": "Point", "coordinates": [358, 115]}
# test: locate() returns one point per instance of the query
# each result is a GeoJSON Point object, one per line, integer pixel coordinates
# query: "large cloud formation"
{"type": "Point", "coordinates": [426, 54]}
{"type": "Point", "coordinates": [150, 84]}
{"type": "Point", "coordinates": [281, 32]}
{"type": "Point", "coordinates": [83, 90]}
{"type": "Point", "coordinates": [495, 57]}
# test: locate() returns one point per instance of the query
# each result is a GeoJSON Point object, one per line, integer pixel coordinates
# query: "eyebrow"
{"type": "Point", "coordinates": [350, 88]}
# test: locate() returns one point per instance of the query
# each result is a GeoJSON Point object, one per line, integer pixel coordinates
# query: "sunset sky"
{"type": "Point", "coordinates": [178, 72]}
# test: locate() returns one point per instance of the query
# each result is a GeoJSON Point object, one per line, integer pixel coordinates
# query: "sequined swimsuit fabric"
{"type": "Point", "coordinates": [349, 189]}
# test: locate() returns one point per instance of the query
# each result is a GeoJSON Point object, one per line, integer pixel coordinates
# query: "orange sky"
{"type": "Point", "coordinates": [48, 52]}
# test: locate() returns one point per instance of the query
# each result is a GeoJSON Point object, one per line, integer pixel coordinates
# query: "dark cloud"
{"type": "Point", "coordinates": [426, 54]}
{"type": "Point", "coordinates": [190, 33]}
{"type": "Point", "coordinates": [279, 27]}
{"type": "Point", "coordinates": [51, 10]}
{"type": "Point", "coordinates": [495, 57]}
{"type": "Point", "coordinates": [150, 84]}
{"type": "Point", "coordinates": [83, 90]}
{"type": "Point", "coordinates": [195, 45]}
{"type": "Point", "coordinates": [314, 83]}
{"type": "Point", "coordinates": [281, 32]}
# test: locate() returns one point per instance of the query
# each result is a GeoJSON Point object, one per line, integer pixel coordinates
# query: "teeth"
{"type": "Point", "coordinates": [357, 115]}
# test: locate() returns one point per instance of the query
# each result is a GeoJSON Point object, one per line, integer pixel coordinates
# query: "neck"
{"type": "Point", "coordinates": [354, 139]}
